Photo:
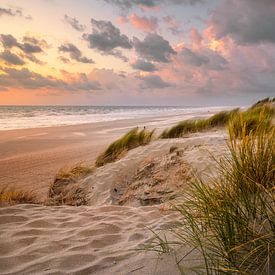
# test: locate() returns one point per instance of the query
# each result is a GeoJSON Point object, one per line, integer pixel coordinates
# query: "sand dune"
{"type": "Point", "coordinates": [101, 238]}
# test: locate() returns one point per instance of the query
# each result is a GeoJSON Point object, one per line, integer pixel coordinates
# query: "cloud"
{"type": "Point", "coordinates": [74, 53]}
{"type": "Point", "coordinates": [146, 24]}
{"type": "Point", "coordinates": [29, 46]}
{"type": "Point", "coordinates": [153, 82]}
{"type": "Point", "coordinates": [246, 21]}
{"type": "Point", "coordinates": [26, 79]}
{"type": "Point", "coordinates": [144, 66]}
{"type": "Point", "coordinates": [129, 4]}
{"type": "Point", "coordinates": [11, 59]}
{"type": "Point", "coordinates": [191, 58]}
{"type": "Point", "coordinates": [74, 23]}
{"type": "Point", "coordinates": [13, 12]}
{"type": "Point", "coordinates": [106, 38]}
{"type": "Point", "coordinates": [173, 25]}
{"type": "Point", "coordinates": [154, 47]}
{"type": "Point", "coordinates": [8, 41]}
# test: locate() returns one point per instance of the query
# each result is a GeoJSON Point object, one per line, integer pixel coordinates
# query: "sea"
{"type": "Point", "coordinates": [23, 117]}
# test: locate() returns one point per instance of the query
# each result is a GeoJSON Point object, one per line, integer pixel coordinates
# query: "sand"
{"type": "Point", "coordinates": [30, 158]}
{"type": "Point", "coordinates": [102, 237]}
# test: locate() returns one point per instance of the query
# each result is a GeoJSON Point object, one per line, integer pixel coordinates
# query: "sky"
{"type": "Point", "coordinates": [136, 52]}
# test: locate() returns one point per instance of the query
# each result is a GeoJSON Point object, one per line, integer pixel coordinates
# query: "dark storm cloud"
{"type": "Point", "coordinates": [74, 23]}
{"type": "Point", "coordinates": [106, 38]}
{"type": "Point", "coordinates": [246, 21]}
{"type": "Point", "coordinates": [153, 82]}
{"type": "Point", "coordinates": [11, 59]}
{"type": "Point", "coordinates": [154, 47]}
{"type": "Point", "coordinates": [128, 4]}
{"type": "Point", "coordinates": [144, 66]}
{"type": "Point", "coordinates": [74, 53]}
{"type": "Point", "coordinates": [29, 80]}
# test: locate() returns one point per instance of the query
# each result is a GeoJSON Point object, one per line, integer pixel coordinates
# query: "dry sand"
{"type": "Point", "coordinates": [30, 158]}
{"type": "Point", "coordinates": [101, 238]}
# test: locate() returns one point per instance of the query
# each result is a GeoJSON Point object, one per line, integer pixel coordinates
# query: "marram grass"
{"type": "Point", "coordinates": [230, 221]}
{"type": "Point", "coordinates": [260, 115]}
{"type": "Point", "coordinates": [193, 126]}
{"type": "Point", "coordinates": [131, 140]}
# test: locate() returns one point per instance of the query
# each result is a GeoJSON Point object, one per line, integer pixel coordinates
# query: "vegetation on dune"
{"type": "Point", "coordinates": [73, 173]}
{"type": "Point", "coordinates": [230, 222]}
{"type": "Point", "coordinates": [263, 102]}
{"type": "Point", "coordinates": [65, 189]}
{"type": "Point", "coordinates": [192, 126]}
{"type": "Point", "coordinates": [10, 196]}
{"type": "Point", "coordinates": [131, 140]}
{"type": "Point", "coordinates": [259, 115]}
{"type": "Point", "coordinates": [252, 119]}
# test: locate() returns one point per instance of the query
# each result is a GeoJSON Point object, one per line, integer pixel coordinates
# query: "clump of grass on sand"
{"type": "Point", "coordinates": [263, 102]}
{"type": "Point", "coordinates": [131, 140]}
{"type": "Point", "coordinates": [259, 115]}
{"type": "Point", "coordinates": [10, 196]}
{"type": "Point", "coordinates": [230, 222]}
{"type": "Point", "coordinates": [66, 188]}
{"type": "Point", "coordinates": [254, 118]}
{"type": "Point", "coordinates": [192, 126]}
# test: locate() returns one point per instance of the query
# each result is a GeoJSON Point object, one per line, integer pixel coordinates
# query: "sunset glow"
{"type": "Point", "coordinates": [123, 52]}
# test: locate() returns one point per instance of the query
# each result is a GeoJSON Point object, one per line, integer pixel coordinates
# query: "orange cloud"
{"type": "Point", "coordinates": [147, 24]}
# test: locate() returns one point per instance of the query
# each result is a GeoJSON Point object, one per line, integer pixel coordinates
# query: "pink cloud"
{"type": "Point", "coordinates": [122, 20]}
{"type": "Point", "coordinates": [147, 24]}
{"type": "Point", "coordinates": [195, 38]}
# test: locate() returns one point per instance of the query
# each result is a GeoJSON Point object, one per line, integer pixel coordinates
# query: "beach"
{"type": "Point", "coordinates": [110, 233]}
{"type": "Point", "coordinates": [30, 158]}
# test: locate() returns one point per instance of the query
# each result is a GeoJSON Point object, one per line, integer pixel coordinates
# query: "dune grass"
{"type": "Point", "coordinates": [259, 115]}
{"type": "Point", "coordinates": [131, 140]}
{"type": "Point", "coordinates": [254, 118]}
{"type": "Point", "coordinates": [75, 172]}
{"type": "Point", "coordinates": [10, 196]}
{"type": "Point", "coordinates": [193, 126]}
{"type": "Point", "coordinates": [231, 221]}
{"type": "Point", "coordinates": [263, 102]}
{"type": "Point", "coordinates": [65, 190]}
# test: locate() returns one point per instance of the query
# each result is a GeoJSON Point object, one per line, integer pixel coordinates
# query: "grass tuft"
{"type": "Point", "coordinates": [10, 196]}
{"type": "Point", "coordinates": [193, 126]}
{"type": "Point", "coordinates": [231, 221]}
{"type": "Point", "coordinates": [66, 189]}
{"type": "Point", "coordinates": [131, 140]}
{"type": "Point", "coordinates": [252, 119]}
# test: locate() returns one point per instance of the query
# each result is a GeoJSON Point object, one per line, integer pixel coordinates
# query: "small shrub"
{"type": "Point", "coordinates": [131, 140]}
